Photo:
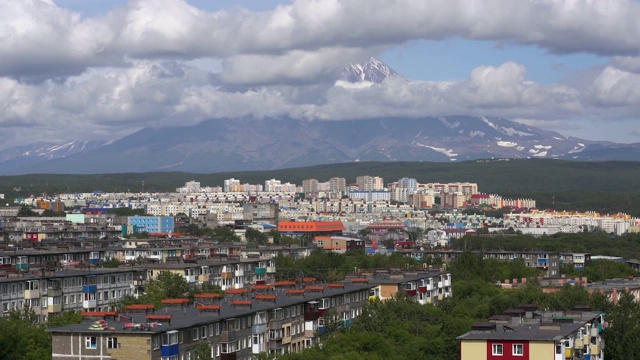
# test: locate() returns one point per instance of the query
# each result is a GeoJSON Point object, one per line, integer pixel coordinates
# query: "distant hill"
{"type": "Point", "coordinates": [265, 144]}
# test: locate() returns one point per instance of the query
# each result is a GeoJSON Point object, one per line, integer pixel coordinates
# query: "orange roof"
{"type": "Point", "coordinates": [158, 317]}
{"type": "Point", "coordinates": [310, 226]}
{"type": "Point", "coordinates": [266, 297]}
{"type": "Point", "coordinates": [208, 296]}
{"type": "Point", "coordinates": [309, 280]}
{"type": "Point", "coordinates": [236, 291]}
{"type": "Point", "coordinates": [285, 283]}
{"type": "Point", "coordinates": [175, 301]}
{"type": "Point", "coordinates": [336, 285]}
{"type": "Point", "coordinates": [99, 313]}
{"type": "Point", "coordinates": [208, 307]}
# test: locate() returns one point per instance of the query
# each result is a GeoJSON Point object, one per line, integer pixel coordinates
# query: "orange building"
{"type": "Point", "coordinates": [311, 227]}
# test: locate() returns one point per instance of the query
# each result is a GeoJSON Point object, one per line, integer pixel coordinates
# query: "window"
{"type": "Point", "coordinates": [90, 342]}
{"type": "Point", "coordinates": [156, 342]}
{"type": "Point", "coordinates": [496, 349]}
{"type": "Point", "coordinates": [112, 343]}
{"type": "Point", "coordinates": [194, 333]}
{"type": "Point", "coordinates": [170, 338]}
{"type": "Point", "coordinates": [518, 349]}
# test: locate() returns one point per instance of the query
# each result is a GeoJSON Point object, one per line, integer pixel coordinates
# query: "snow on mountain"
{"type": "Point", "coordinates": [374, 71]}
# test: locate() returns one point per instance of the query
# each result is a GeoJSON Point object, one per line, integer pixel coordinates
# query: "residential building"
{"type": "Point", "coordinates": [283, 317]}
{"type": "Point", "coordinates": [49, 292]}
{"type": "Point", "coordinates": [310, 186]}
{"type": "Point", "coordinates": [337, 184]}
{"type": "Point", "coordinates": [525, 333]}
{"type": "Point", "coordinates": [152, 224]}
{"type": "Point", "coordinates": [369, 183]}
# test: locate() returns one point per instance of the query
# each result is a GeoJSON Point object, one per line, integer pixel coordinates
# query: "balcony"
{"type": "Point", "coordinates": [54, 291]}
{"type": "Point", "coordinates": [239, 272]}
{"type": "Point", "coordinates": [311, 315]}
{"type": "Point", "coordinates": [259, 328]}
{"type": "Point", "coordinates": [568, 353]}
{"type": "Point", "coordinates": [578, 344]}
{"type": "Point", "coordinates": [275, 324]}
{"type": "Point", "coordinates": [89, 304]}
{"type": "Point", "coordinates": [203, 278]}
{"type": "Point", "coordinates": [595, 349]}
{"type": "Point", "coordinates": [54, 308]}
{"type": "Point", "coordinates": [275, 344]}
{"type": "Point", "coordinates": [32, 294]}
{"type": "Point", "coordinates": [227, 275]}
{"type": "Point", "coordinates": [261, 271]}
{"type": "Point", "coordinates": [228, 336]}
{"type": "Point", "coordinates": [271, 269]}
{"type": "Point", "coordinates": [89, 288]}
{"type": "Point", "coordinates": [258, 348]}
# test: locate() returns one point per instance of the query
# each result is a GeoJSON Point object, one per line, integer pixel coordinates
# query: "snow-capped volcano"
{"type": "Point", "coordinates": [374, 71]}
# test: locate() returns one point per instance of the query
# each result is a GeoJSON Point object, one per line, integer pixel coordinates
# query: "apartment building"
{"type": "Point", "coordinates": [423, 287]}
{"type": "Point", "coordinates": [546, 262]}
{"type": "Point", "coordinates": [526, 333]}
{"type": "Point", "coordinates": [52, 292]}
{"type": "Point", "coordinates": [276, 319]}
{"type": "Point", "coordinates": [369, 183]}
{"type": "Point", "coordinates": [232, 273]}
{"type": "Point", "coordinates": [152, 224]}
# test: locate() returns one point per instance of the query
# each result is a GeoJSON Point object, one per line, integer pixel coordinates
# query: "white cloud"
{"type": "Point", "coordinates": [39, 38]}
{"type": "Point", "coordinates": [69, 75]}
{"type": "Point", "coordinates": [615, 87]}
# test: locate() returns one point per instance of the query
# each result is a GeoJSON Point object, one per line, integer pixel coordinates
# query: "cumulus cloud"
{"type": "Point", "coordinates": [40, 38]}
{"type": "Point", "coordinates": [615, 87]}
{"type": "Point", "coordinates": [70, 75]}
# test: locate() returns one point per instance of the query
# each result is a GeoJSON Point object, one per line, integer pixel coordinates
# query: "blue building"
{"type": "Point", "coordinates": [152, 224]}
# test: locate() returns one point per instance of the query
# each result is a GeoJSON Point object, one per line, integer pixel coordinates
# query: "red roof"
{"type": "Point", "coordinates": [310, 226]}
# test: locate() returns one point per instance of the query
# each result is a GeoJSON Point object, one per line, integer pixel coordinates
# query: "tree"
{"type": "Point", "coordinates": [66, 318]}
{"type": "Point", "coordinates": [203, 352]}
{"type": "Point", "coordinates": [254, 236]}
{"type": "Point", "coordinates": [108, 263]}
{"type": "Point", "coordinates": [621, 336]}
{"type": "Point", "coordinates": [21, 338]}
{"type": "Point", "coordinates": [26, 211]}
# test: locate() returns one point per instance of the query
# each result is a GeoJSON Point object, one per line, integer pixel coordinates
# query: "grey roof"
{"type": "Point", "coordinates": [190, 316]}
{"type": "Point", "coordinates": [544, 331]}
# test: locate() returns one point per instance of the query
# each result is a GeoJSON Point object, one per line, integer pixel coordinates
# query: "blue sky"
{"type": "Point", "coordinates": [109, 67]}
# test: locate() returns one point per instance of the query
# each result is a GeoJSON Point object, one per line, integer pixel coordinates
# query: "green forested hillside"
{"type": "Point", "coordinates": [602, 186]}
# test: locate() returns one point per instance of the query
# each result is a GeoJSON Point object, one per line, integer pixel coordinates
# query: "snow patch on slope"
{"type": "Point", "coordinates": [506, 144]}
{"type": "Point", "coordinates": [444, 151]}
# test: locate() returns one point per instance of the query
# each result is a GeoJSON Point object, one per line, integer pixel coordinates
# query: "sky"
{"type": "Point", "coordinates": [102, 69]}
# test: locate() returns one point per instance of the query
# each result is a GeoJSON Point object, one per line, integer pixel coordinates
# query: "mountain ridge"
{"type": "Point", "coordinates": [274, 143]}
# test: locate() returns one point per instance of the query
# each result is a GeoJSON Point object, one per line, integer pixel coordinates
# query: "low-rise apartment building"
{"type": "Point", "coordinates": [52, 292]}
{"type": "Point", "coordinates": [525, 333]}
